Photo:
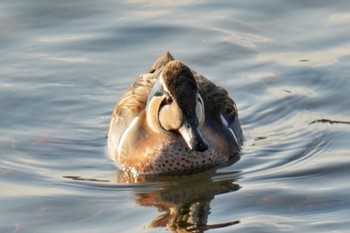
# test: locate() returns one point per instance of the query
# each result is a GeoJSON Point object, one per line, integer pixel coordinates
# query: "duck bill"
{"type": "Point", "coordinates": [192, 136]}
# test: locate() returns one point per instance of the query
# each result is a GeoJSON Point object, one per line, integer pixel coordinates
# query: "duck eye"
{"type": "Point", "coordinates": [168, 99]}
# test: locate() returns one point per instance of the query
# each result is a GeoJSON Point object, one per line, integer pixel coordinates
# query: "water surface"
{"type": "Point", "coordinates": [63, 66]}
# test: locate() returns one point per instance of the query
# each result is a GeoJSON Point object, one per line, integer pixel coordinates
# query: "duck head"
{"type": "Point", "coordinates": [174, 105]}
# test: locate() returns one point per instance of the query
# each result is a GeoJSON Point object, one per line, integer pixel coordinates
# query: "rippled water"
{"type": "Point", "coordinates": [65, 64]}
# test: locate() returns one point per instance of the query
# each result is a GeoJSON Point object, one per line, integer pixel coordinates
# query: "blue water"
{"type": "Point", "coordinates": [64, 65]}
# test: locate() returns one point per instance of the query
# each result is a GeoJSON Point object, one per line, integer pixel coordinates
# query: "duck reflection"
{"type": "Point", "coordinates": [184, 201]}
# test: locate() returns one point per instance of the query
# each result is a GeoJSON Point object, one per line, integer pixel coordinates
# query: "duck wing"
{"type": "Point", "coordinates": [219, 105]}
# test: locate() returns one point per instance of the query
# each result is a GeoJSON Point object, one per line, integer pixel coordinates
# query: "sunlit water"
{"type": "Point", "coordinates": [64, 64]}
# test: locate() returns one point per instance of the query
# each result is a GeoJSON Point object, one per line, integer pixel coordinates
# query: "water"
{"type": "Point", "coordinates": [63, 66]}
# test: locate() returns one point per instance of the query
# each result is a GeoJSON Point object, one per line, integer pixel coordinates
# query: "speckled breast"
{"type": "Point", "coordinates": [170, 155]}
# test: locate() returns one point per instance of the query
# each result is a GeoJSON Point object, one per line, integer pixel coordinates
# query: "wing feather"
{"type": "Point", "coordinates": [216, 100]}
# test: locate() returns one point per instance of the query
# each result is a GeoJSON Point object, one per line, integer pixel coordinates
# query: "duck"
{"type": "Point", "coordinates": [173, 120]}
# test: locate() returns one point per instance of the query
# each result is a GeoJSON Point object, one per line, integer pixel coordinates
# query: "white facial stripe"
{"type": "Point", "coordinates": [122, 139]}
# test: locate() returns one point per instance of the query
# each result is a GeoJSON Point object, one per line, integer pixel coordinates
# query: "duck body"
{"type": "Point", "coordinates": [173, 120]}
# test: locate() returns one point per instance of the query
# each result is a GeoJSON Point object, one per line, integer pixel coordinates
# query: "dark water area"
{"type": "Point", "coordinates": [64, 65]}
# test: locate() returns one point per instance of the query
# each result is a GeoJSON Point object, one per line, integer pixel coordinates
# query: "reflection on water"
{"type": "Point", "coordinates": [185, 201]}
{"type": "Point", "coordinates": [320, 58]}
{"type": "Point", "coordinates": [64, 64]}
{"type": "Point", "coordinates": [340, 18]}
